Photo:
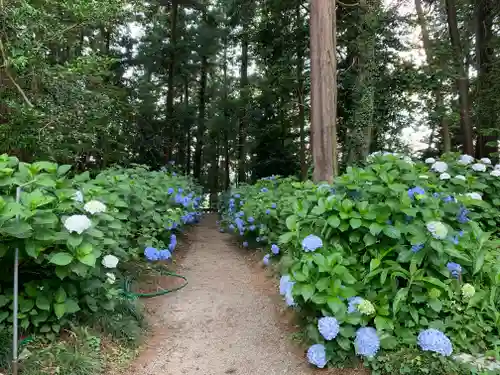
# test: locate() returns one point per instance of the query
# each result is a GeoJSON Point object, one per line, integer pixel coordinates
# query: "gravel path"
{"type": "Point", "coordinates": [224, 322]}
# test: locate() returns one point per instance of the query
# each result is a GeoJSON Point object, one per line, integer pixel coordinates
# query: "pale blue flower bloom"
{"type": "Point", "coordinates": [265, 260]}
{"type": "Point", "coordinates": [311, 243]}
{"type": "Point", "coordinates": [275, 249]}
{"type": "Point", "coordinates": [435, 341]}
{"type": "Point", "coordinates": [316, 355]}
{"type": "Point", "coordinates": [329, 327]}
{"type": "Point", "coordinates": [367, 342]}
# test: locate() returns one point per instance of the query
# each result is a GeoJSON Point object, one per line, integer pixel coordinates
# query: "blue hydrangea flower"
{"type": "Point", "coordinates": [164, 254]}
{"type": "Point", "coordinates": [367, 342]}
{"type": "Point", "coordinates": [245, 244]}
{"type": "Point", "coordinates": [257, 239]}
{"type": "Point", "coordinates": [432, 340]}
{"type": "Point", "coordinates": [352, 304]}
{"type": "Point", "coordinates": [275, 249]}
{"type": "Point", "coordinates": [289, 298]}
{"type": "Point", "coordinates": [316, 355]}
{"type": "Point", "coordinates": [265, 260]}
{"type": "Point", "coordinates": [170, 191]}
{"type": "Point", "coordinates": [180, 190]}
{"type": "Point", "coordinates": [232, 227]}
{"type": "Point", "coordinates": [273, 205]}
{"type": "Point", "coordinates": [251, 219]}
{"type": "Point", "coordinates": [329, 327]}
{"type": "Point", "coordinates": [221, 230]}
{"type": "Point", "coordinates": [236, 195]}
{"type": "Point", "coordinates": [268, 211]}
{"type": "Point", "coordinates": [462, 215]}
{"type": "Point", "coordinates": [311, 243]}
{"type": "Point", "coordinates": [151, 254]}
{"type": "Point", "coordinates": [286, 284]}
{"type": "Point", "coordinates": [264, 190]}
{"type": "Point", "coordinates": [417, 190]}
{"type": "Point", "coordinates": [252, 228]}
{"type": "Point", "coordinates": [449, 198]}
{"type": "Point", "coordinates": [416, 248]}
{"type": "Point", "coordinates": [455, 269]}
{"type": "Point", "coordinates": [454, 239]}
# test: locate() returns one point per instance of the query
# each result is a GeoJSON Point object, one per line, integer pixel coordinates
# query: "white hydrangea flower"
{"type": "Point", "coordinates": [476, 196]}
{"type": "Point", "coordinates": [479, 167]}
{"type": "Point", "coordinates": [111, 278]}
{"type": "Point", "coordinates": [465, 159]}
{"type": "Point", "coordinates": [460, 177]}
{"type": "Point", "coordinates": [365, 307]}
{"type": "Point", "coordinates": [497, 166]}
{"type": "Point", "coordinates": [468, 291]}
{"type": "Point", "coordinates": [439, 166]}
{"type": "Point", "coordinates": [77, 223]}
{"type": "Point", "coordinates": [408, 160]}
{"type": "Point", "coordinates": [78, 197]}
{"type": "Point", "coordinates": [486, 160]}
{"type": "Point", "coordinates": [110, 261]}
{"type": "Point", "coordinates": [94, 207]}
{"type": "Point", "coordinates": [437, 229]}
{"type": "Point", "coordinates": [495, 173]}
{"type": "Point", "coordinates": [444, 176]}
{"type": "Point", "coordinates": [423, 177]}
{"type": "Point", "coordinates": [430, 161]}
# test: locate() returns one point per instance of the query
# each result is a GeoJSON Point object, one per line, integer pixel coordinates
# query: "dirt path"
{"type": "Point", "coordinates": [224, 322]}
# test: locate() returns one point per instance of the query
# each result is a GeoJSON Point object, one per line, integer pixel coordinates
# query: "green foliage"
{"type": "Point", "coordinates": [72, 254]}
{"type": "Point", "coordinates": [388, 244]}
{"type": "Point", "coordinates": [80, 354]}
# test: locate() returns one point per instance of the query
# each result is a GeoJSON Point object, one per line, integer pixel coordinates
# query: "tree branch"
{"type": "Point", "coordinates": [346, 5]}
{"type": "Point", "coordinates": [6, 68]}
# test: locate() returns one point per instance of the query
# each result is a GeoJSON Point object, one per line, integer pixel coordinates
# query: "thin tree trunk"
{"type": "Point", "coordinates": [462, 80]}
{"type": "Point", "coordinates": [242, 133]}
{"type": "Point", "coordinates": [169, 131]}
{"type": "Point", "coordinates": [301, 118]}
{"type": "Point", "coordinates": [183, 139]}
{"type": "Point", "coordinates": [201, 120]}
{"type": "Point", "coordinates": [485, 97]}
{"type": "Point", "coordinates": [323, 90]}
{"type": "Point", "coordinates": [439, 112]}
{"type": "Point", "coordinates": [226, 122]}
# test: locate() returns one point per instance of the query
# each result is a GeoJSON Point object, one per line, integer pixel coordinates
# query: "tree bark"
{"type": "Point", "coordinates": [323, 89]}
{"type": "Point", "coordinates": [227, 180]}
{"type": "Point", "coordinates": [462, 80]}
{"type": "Point", "coordinates": [301, 118]}
{"type": "Point", "coordinates": [485, 96]}
{"type": "Point", "coordinates": [439, 112]}
{"type": "Point", "coordinates": [169, 131]}
{"type": "Point", "coordinates": [242, 132]}
{"type": "Point", "coordinates": [201, 119]}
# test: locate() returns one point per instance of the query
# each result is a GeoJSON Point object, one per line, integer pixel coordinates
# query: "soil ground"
{"type": "Point", "coordinates": [229, 319]}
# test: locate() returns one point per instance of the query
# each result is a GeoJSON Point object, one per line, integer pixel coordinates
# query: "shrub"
{"type": "Point", "coordinates": [76, 233]}
{"type": "Point", "coordinates": [397, 253]}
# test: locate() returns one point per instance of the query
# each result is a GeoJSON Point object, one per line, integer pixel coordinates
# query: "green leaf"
{"type": "Point", "coordinates": [369, 239]}
{"type": "Point", "coordinates": [374, 263]}
{"type": "Point", "coordinates": [355, 223]}
{"type": "Point", "coordinates": [59, 309]}
{"type": "Point", "coordinates": [435, 304]}
{"type": "Point", "coordinates": [74, 240]}
{"type": "Point", "coordinates": [401, 295]}
{"type": "Point", "coordinates": [375, 228]}
{"type": "Point", "coordinates": [17, 229]}
{"type": "Point", "coordinates": [307, 291]}
{"type": "Point", "coordinates": [347, 205]}
{"type": "Point", "coordinates": [286, 237]}
{"type": "Point", "coordinates": [333, 221]}
{"type": "Point", "coordinates": [323, 284]}
{"type": "Point", "coordinates": [392, 232]}
{"type": "Point", "coordinates": [42, 302]}
{"type": "Point", "coordinates": [61, 259]}
{"type": "Point", "coordinates": [3, 300]}
{"type": "Point", "coordinates": [479, 261]}
{"type": "Point", "coordinates": [88, 260]}
{"type": "Point", "coordinates": [60, 295]}
{"type": "Point", "coordinates": [383, 324]}
{"type": "Point", "coordinates": [63, 169]}
{"type": "Point", "coordinates": [71, 306]}
{"type": "Point", "coordinates": [291, 223]}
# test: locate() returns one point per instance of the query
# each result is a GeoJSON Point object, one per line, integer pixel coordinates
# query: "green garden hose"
{"type": "Point", "coordinates": [132, 295]}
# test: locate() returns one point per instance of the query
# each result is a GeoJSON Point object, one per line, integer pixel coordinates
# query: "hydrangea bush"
{"type": "Point", "coordinates": [76, 233]}
{"type": "Point", "coordinates": [395, 254]}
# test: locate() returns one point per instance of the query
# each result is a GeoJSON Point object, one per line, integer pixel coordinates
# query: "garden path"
{"type": "Point", "coordinates": [225, 321]}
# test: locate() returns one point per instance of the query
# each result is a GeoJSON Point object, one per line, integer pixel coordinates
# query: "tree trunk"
{"type": "Point", "coordinates": [185, 131]}
{"type": "Point", "coordinates": [462, 80]}
{"type": "Point", "coordinates": [439, 112]}
{"type": "Point", "coordinates": [169, 131]}
{"type": "Point", "coordinates": [485, 96]}
{"type": "Point", "coordinates": [323, 89]}
{"type": "Point", "coordinates": [201, 119]}
{"type": "Point", "coordinates": [301, 118]}
{"type": "Point", "coordinates": [242, 133]}
{"type": "Point", "coordinates": [227, 181]}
